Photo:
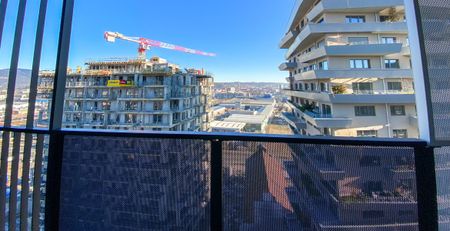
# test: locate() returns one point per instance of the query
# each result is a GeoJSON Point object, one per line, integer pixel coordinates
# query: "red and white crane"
{"type": "Point", "coordinates": [146, 44]}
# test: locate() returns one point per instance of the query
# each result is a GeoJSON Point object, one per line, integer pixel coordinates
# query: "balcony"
{"type": "Point", "coordinates": [293, 121]}
{"type": "Point", "coordinates": [300, 9]}
{"type": "Point", "coordinates": [321, 120]}
{"type": "Point", "coordinates": [350, 6]}
{"type": "Point", "coordinates": [378, 49]}
{"type": "Point", "coordinates": [313, 32]}
{"type": "Point", "coordinates": [288, 39]}
{"type": "Point", "coordinates": [354, 73]}
{"type": "Point", "coordinates": [391, 97]}
{"type": "Point", "coordinates": [287, 66]}
{"type": "Point", "coordinates": [105, 171]}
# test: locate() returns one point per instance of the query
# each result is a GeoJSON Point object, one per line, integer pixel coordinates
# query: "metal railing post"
{"type": "Point", "coordinates": [53, 186]}
{"type": "Point", "coordinates": [216, 186]}
{"type": "Point", "coordinates": [427, 206]}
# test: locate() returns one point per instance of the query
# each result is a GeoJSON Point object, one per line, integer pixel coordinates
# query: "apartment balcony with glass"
{"type": "Point", "coordinates": [313, 32]}
{"type": "Point", "coordinates": [370, 96]}
{"type": "Point", "coordinates": [318, 119]}
{"type": "Point", "coordinates": [327, 6]}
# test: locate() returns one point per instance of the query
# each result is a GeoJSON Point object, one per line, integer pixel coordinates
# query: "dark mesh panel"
{"type": "Point", "coordinates": [442, 157]}
{"type": "Point", "coordinates": [134, 184]}
{"type": "Point", "coordinates": [278, 186]}
{"type": "Point", "coordinates": [436, 27]}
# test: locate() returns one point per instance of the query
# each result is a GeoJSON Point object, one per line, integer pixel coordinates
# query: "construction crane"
{"type": "Point", "coordinates": [146, 44]}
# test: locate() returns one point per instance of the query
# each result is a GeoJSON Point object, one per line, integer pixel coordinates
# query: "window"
{"type": "Point", "coordinates": [359, 63]}
{"type": "Point", "coordinates": [373, 214]}
{"type": "Point", "coordinates": [362, 88]}
{"type": "Point", "coordinates": [157, 119]}
{"type": "Point", "coordinates": [394, 86]}
{"type": "Point", "coordinates": [400, 133]}
{"type": "Point", "coordinates": [388, 40]}
{"type": "Point", "coordinates": [355, 19]}
{"type": "Point", "coordinates": [398, 110]}
{"type": "Point", "coordinates": [323, 87]}
{"type": "Point", "coordinates": [321, 43]}
{"type": "Point", "coordinates": [157, 106]}
{"type": "Point", "coordinates": [368, 161]}
{"type": "Point", "coordinates": [391, 63]}
{"type": "Point", "coordinates": [358, 40]}
{"type": "Point", "coordinates": [386, 18]}
{"type": "Point", "coordinates": [326, 109]}
{"type": "Point", "coordinates": [367, 133]}
{"type": "Point", "coordinates": [323, 65]}
{"type": "Point", "coordinates": [365, 111]}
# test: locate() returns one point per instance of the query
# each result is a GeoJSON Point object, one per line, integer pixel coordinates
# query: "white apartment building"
{"type": "Point", "coordinates": [134, 95]}
{"type": "Point", "coordinates": [349, 68]}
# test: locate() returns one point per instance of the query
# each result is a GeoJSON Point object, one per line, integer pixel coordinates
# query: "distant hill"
{"type": "Point", "coordinates": [248, 84]}
{"type": "Point", "coordinates": [22, 80]}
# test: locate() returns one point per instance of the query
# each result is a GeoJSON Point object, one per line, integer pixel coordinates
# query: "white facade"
{"type": "Point", "coordinates": [350, 69]}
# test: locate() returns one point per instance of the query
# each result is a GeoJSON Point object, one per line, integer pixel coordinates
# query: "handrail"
{"type": "Point", "coordinates": [356, 141]}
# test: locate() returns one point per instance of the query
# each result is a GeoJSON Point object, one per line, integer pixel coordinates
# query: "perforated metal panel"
{"type": "Point", "coordinates": [435, 22]}
{"type": "Point", "coordinates": [280, 186]}
{"type": "Point", "coordinates": [442, 159]}
{"type": "Point", "coordinates": [134, 184]}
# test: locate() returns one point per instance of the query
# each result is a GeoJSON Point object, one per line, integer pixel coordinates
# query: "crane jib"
{"type": "Point", "coordinates": [145, 44]}
{"type": "Point", "coordinates": [169, 46]}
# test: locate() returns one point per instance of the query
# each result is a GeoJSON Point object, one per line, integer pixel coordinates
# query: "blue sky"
{"type": "Point", "coordinates": [244, 33]}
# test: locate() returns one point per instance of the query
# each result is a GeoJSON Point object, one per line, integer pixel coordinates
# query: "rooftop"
{"type": "Point", "coordinates": [227, 125]}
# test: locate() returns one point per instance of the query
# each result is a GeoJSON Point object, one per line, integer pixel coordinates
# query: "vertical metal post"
{"type": "Point", "coordinates": [426, 189]}
{"type": "Point", "coordinates": [422, 89]}
{"type": "Point", "coordinates": [3, 5]}
{"type": "Point", "coordinates": [59, 85]}
{"type": "Point", "coordinates": [53, 187]}
{"type": "Point", "coordinates": [26, 159]}
{"type": "Point", "coordinates": [3, 172]}
{"type": "Point", "coordinates": [36, 63]}
{"type": "Point", "coordinates": [216, 186]}
{"type": "Point", "coordinates": [14, 63]}
{"type": "Point", "coordinates": [37, 183]}
{"type": "Point", "coordinates": [14, 180]}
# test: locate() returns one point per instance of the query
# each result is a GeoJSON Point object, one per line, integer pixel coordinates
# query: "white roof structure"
{"type": "Point", "coordinates": [227, 125]}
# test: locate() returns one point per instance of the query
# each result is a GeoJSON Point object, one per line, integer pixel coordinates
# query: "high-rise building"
{"type": "Point", "coordinates": [349, 68]}
{"type": "Point", "coordinates": [134, 95]}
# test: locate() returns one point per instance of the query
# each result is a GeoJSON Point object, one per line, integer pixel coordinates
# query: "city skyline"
{"type": "Point", "coordinates": [245, 52]}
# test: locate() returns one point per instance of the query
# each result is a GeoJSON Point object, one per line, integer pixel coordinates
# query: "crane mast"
{"type": "Point", "coordinates": [146, 44]}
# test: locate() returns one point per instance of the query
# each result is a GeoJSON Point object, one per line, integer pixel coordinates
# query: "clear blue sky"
{"type": "Point", "coordinates": [244, 33]}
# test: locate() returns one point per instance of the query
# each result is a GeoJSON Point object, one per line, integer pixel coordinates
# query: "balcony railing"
{"type": "Point", "coordinates": [213, 176]}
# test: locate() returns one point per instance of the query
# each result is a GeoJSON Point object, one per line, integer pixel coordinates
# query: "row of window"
{"type": "Point", "coordinates": [365, 40]}
{"type": "Point", "coordinates": [354, 64]}
{"type": "Point", "coordinates": [365, 63]}
{"type": "Point", "coordinates": [357, 87]}
{"type": "Point", "coordinates": [396, 110]}
{"type": "Point", "coordinates": [362, 18]}
{"type": "Point", "coordinates": [396, 133]}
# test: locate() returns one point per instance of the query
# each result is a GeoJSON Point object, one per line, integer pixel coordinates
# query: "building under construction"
{"type": "Point", "coordinates": [138, 94]}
